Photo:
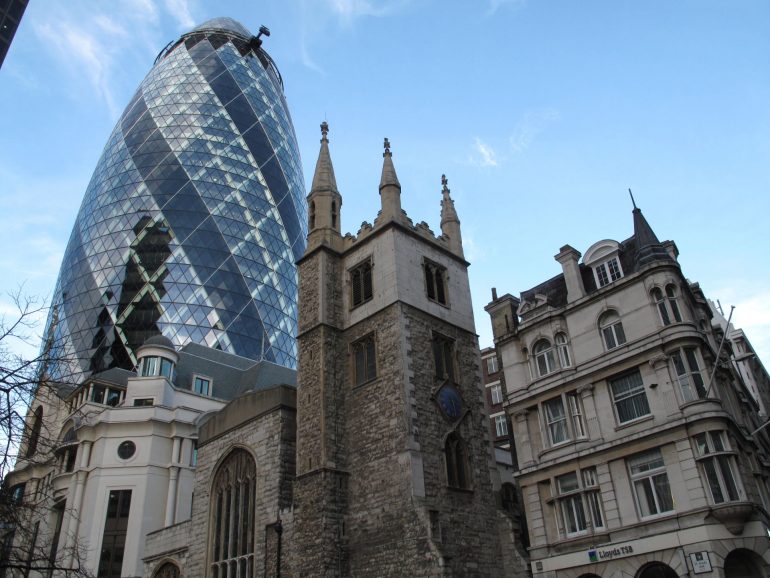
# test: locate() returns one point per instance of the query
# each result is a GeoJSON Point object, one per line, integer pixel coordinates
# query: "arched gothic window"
{"type": "Point", "coordinates": [231, 539]}
{"type": "Point", "coordinates": [34, 434]}
{"type": "Point", "coordinates": [457, 467]}
{"type": "Point", "coordinates": [334, 215]}
{"type": "Point", "coordinates": [311, 215]}
{"type": "Point", "coordinates": [167, 570]}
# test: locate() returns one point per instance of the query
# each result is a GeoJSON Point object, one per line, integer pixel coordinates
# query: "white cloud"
{"type": "Point", "coordinates": [530, 126]}
{"type": "Point", "coordinates": [145, 10]}
{"type": "Point", "coordinates": [485, 155]}
{"type": "Point", "coordinates": [349, 10]}
{"type": "Point", "coordinates": [180, 10]}
{"type": "Point", "coordinates": [85, 52]}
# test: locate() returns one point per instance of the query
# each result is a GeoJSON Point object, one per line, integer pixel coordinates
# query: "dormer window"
{"type": "Point", "coordinates": [607, 272]}
{"type": "Point", "coordinates": [603, 259]}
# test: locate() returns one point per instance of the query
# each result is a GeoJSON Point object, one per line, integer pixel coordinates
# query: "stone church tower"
{"type": "Point", "coordinates": [393, 459]}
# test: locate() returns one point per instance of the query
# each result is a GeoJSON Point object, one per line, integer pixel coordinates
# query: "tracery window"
{"type": "Point", "coordinates": [457, 467]}
{"type": "Point", "coordinates": [435, 282]}
{"type": "Point", "coordinates": [231, 539]}
{"type": "Point", "coordinates": [364, 360]}
{"type": "Point", "coordinates": [361, 283]}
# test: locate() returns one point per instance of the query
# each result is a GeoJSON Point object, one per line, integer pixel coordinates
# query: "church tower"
{"type": "Point", "coordinates": [393, 455]}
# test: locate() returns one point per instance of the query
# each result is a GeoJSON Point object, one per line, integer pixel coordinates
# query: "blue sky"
{"type": "Point", "coordinates": [542, 113]}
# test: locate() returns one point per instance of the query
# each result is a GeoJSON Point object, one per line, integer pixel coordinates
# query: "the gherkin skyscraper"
{"type": "Point", "coordinates": [194, 216]}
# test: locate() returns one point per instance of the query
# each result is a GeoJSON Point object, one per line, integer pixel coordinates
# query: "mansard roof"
{"type": "Point", "coordinates": [634, 253]}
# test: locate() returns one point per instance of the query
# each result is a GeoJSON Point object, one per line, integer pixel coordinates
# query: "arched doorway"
{"type": "Point", "coordinates": [743, 563]}
{"type": "Point", "coordinates": [167, 570]}
{"type": "Point", "coordinates": [657, 570]}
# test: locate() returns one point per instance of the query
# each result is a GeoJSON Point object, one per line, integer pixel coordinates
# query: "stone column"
{"type": "Point", "coordinates": [73, 525]}
{"type": "Point", "coordinates": [172, 483]}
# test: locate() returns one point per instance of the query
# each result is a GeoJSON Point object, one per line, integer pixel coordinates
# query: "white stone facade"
{"type": "Point", "coordinates": [634, 451]}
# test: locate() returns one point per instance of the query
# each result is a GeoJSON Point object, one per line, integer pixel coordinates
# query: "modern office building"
{"type": "Point", "coordinates": [194, 216]}
{"type": "Point", "coordinates": [641, 450]}
{"type": "Point", "coordinates": [11, 12]}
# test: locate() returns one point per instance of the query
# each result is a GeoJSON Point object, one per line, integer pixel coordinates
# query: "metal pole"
{"type": "Point", "coordinates": [721, 343]}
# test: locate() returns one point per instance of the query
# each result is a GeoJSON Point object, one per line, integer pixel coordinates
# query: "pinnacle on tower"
{"type": "Point", "coordinates": [323, 178]}
{"type": "Point", "coordinates": [324, 201]}
{"type": "Point", "coordinates": [450, 222]}
{"type": "Point", "coordinates": [390, 188]}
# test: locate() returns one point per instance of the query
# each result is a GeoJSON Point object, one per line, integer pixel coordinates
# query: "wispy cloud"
{"type": "Point", "coordinates": [180, 9]}
{"type": "Point", "coordinates": [495, 5]}
{"type": "Point", "coordinates": [483, 154]}
{"type": "Point", "coordinates": [318, 17]}
{"type": "Point", "coordinates": [86, 53]}
{"type": "Point", "coordinates": [530, 126]}
{"type": "Point", "coordinates": [349, 10]}
{"type": "Point", "coordinates": [92, 40]}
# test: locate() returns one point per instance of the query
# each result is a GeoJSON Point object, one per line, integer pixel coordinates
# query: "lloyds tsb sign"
{"type": "Point", "coordinates": [604, 554]}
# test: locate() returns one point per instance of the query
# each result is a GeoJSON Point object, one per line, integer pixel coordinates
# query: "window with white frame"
{"type": "Point", "coordinates": [612, 330]}
{"type": "Point", "coordinates": [563, 348]}
{"type": "Point", "coordinates": [650, 482]}
{"type": "Point", "coordinates": [497, 394]}
{"type": "Point", "coordinates": [629, 397]}
{"type": "Point", "coordinates": [607, 272]}
{"type": "Point", "coordinates": [492, 365]}
{"type": "Point", "coordinates": [544, 357]}
{"type": "Point", "coordinates": [688, 373]}
{"type": "Point", "coordinates": [564, 419]}
{"type": "Point", "coordinates": [578, 502]}
{"type": "Point", "coordinates": [717, 463]}
{"type": "Point", "coordinates": [501, 425]}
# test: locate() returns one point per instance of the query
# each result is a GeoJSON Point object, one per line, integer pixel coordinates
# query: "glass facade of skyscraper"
{"type": "Point", "coordinates": [195, 214]}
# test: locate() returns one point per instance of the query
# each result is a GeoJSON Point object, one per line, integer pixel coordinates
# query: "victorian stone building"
{"type": "Point", "coordinates": [640, 447]}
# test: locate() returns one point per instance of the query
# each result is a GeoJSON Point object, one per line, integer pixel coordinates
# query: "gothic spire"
{"type": "Point", "coordinates": [448, 212]}
{"type": "Point", "coordinates": [323, 179]}
{"type": "Point", "coordinates": [450, 222]}
{"type": "Point", "coordinates": [390, 188]}
{"type": "Point", "coordinates": [389, 177]}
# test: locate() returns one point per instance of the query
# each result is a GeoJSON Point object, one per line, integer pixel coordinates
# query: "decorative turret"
{"type": "Point", "coordinates": [324, 201]}
{"type": "Point", "coordinates": [390, 188]}
{"type": "Point", "coordinates": [450, 223]}
{"type": "Point", "coordinates": [648, 247]}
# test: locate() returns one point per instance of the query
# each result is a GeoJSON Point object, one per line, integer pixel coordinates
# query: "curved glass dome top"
{"type": "Point", "coordinates": [223, 24]}
{"type": "Point", "coordinates": [194, 216]}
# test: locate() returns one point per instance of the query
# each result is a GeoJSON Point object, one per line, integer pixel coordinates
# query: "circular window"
{"type": "Point", "coordinates": [126, 450]}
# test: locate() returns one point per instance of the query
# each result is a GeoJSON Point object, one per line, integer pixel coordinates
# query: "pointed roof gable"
{"type": "Point", "coordinates": [648, 247]}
